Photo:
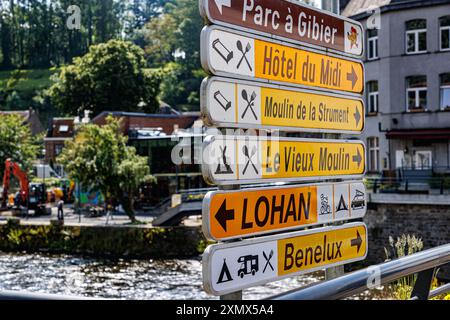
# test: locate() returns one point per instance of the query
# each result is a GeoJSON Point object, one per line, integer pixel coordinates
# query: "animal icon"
{"type": "Point", "coordinates": [352, 36]}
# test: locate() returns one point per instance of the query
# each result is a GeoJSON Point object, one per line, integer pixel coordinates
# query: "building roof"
{"type": "Point", "coordinates": [30, 117]}
{"type": "Point", "coordinates": [61, 128]}
{"type": "Point", "coordinates": [355, 7]}
{"type": "Point", "coordinates": [358, 9]}
{"type": "Point", "coordinates": [166, 123]}
{"type": "Point", "coordinates": [23, 113]}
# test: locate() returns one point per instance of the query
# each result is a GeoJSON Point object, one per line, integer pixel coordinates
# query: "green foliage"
{"type": "Point", "coordinates": [439, 181]}
{"type": "Point", "coordinates": [138, 242]}
{"type": "Point", "coordinates": [24, 89]}
{"type": "Point", "coordinates": [34, 33]}
{"type": "Point", "coordinates": [16, 142]}
{"type": "Point", "coordinates": [404, 246]}
{"type": "Point", "coordinates": [49, 182]}
{"type": "Point", "coordinates": [112, 76]}
{"type": "Point", "coordinates": [172, 43]}
{"type": "Point", "coordinates": [99, 157]}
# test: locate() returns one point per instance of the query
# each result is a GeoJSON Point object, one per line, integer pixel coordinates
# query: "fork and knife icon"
{"type": "Point", "coordinates": [249, 157]}
{"type": "Point", "coordinates": [268, 258]}
{"type": "Point", "coordinates": [244, 54]}
{"type": "Point", "coordinates": [250, 103]}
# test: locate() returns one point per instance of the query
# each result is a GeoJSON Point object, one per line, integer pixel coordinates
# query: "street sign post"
{"type": "Point", "coordinates": [239, 265]}
{"type": "Point", "coordinates": [251, 212]}
{"type": "Point", "coordinates": [243, 159]}
{"type": "Point", "coordinates": [234, 54]}
{"type": "Point", "coordinates": [288, 20]}
{"type": "Point", "coordinates": [232, 103]}
{"type": "Point", "coordinates": [280, 65]}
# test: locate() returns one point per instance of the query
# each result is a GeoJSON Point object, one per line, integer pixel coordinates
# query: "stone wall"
{"type": "Point", "coordinates": [429, 222]}
{"type": "Point", "coordinates": [103, 241]}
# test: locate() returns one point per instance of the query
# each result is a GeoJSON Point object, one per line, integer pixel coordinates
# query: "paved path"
{"type": "Point", "coordinates": [73, 219]}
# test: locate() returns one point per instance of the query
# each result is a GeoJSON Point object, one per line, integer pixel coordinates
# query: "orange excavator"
{"type": "Point", "coordinates": [31, 196]}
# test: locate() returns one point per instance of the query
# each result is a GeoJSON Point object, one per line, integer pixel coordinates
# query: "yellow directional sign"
{"type": "Point", "coordinates": [241, 159]}
{"type": "Point", "coordinates": [245, 104]}
{"type": "Point", "coordinates": [233, 54]}
{"type": "Point", "coordinates": [239, 265]}
{"type": "Point", "coordinates": [320, 249]}
{"type": "Point", "coordinates": [236, 214]}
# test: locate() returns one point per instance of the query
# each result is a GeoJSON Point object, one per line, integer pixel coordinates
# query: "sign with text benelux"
{"type": "Point", "coordinates": [235, 266]}
{"type": "Point", "coordinates": [289, 21]}
{"type": "Point", "coordinates": [232, 160]}
{"type": "Point", "coordinates": [232, 103]}
{"type": "Point", "coordinates": [234, 54]}
{"type": "Point", "coordinates": [230, 215]}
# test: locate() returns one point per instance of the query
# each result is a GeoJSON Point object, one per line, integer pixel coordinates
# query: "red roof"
{"type": "Point", "coordinates": [132, 121]}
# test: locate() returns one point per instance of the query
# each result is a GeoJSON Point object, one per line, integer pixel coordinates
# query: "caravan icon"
{"type": "Point", "coordinates": [249, 265]}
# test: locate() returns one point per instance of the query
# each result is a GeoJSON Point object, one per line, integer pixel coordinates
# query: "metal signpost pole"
{"type": "Point", "coordinates": [238, 294]}
{"type": "Point", "coordinates": [335, 272]}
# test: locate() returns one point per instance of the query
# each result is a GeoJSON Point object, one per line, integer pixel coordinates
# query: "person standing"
{"type": "Point", "coordinates": [61, 210]}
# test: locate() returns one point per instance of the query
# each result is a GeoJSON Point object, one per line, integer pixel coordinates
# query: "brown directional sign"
{"type": "Point", "coordinates": [288, 20]}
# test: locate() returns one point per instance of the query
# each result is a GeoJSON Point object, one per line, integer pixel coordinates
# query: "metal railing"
{"type": "Point", "coordinates": [24, 296]}
{"type": "Point", "coordinates": [423, 264]}
{"type": "Point", "coordinates": [408, 185]}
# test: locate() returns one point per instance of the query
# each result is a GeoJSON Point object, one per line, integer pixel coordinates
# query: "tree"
{"type": "Point", "coordinates": [16, 142]}
{"type": "Point", "coordinates": [99, 157]}
{"type": "Point", "coordinates": [172, 43]}
{"type": "Point", "coordinates": [112, 77]}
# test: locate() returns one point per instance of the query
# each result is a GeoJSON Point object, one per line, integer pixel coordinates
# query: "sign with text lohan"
{"type": "Point", "coordinates": [235, 266]}
{"type": "Point", "coordinates": [288, 20]}
{"type": "Point", "coordinates": [233, 54]}
{"type": "Point", "coordinates": [231, 160]}
{"type": "Point", "coordinates": [230, 103]}
{"type": "Point", "coordinates": [231, 215]}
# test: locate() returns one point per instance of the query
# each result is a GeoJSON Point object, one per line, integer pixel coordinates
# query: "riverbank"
{"type": "Point", "coordinates": [111, 241]}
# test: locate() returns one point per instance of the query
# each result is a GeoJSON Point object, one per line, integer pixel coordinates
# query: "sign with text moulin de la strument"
{"type": "Point", "coordinates": [233, 103]}
{"type": "Point", "coordinates": [288, 20]}
{"type": "Point", "coordinates": [239, 265]}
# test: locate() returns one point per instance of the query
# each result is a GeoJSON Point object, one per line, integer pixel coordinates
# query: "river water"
{"type": "Point", "coordinates": [118, 279]}
{"type": "Point", "coordinates": [126, 279]}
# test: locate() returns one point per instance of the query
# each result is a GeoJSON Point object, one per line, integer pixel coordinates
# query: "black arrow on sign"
{"type": "Point", "coordinates": [357, 116]}
{"type": "Point", "coordinates": [224, 215]}
{"type": "Point", "coordinates": [357, 158]}
{"type": "Point", "coordinates": [357, 242]}
{"type": "Point", "coordinates": [353, 77]}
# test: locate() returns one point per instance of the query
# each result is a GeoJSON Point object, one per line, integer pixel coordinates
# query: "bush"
{"type": "Point", "coordinates": [404, 246]}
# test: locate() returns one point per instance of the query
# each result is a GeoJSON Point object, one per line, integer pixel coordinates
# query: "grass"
{"type": "Point", "coordinates": [26, 81]}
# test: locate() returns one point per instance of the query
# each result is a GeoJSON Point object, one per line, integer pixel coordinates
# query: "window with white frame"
{"type": "Point", "coordinates": [373, 144]}
{"type": "Point", "coordinates": [372, 97]}
{"type": "Point", "coordinates": [445, 91]}
{"type": "Point", "coordinates": [444, 26]}
{"type": "Point", "coordinates": [416, 93]}
{"type": "Point", "coordinates": [416, 36]}
{"type": "Point", "coordinates": [372, 44]}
